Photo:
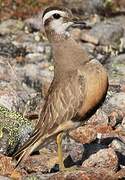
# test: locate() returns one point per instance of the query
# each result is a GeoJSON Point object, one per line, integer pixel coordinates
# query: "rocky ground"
{"type": "Point", "coordinates": [95, 150]}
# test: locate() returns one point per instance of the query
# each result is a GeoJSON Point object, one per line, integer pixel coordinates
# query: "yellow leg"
{"type": "Point", "coordinates": [60, 155]}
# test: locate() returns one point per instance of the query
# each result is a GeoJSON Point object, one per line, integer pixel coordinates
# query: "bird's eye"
{"type": "Point", "coordinates": [56, 16]}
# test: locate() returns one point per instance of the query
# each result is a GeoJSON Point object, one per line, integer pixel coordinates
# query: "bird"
{"type": "Point", "coordinates": [78, 88]}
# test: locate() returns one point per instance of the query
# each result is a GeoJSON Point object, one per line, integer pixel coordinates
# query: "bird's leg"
{"type": "Point", "coordinates": [60, 155]}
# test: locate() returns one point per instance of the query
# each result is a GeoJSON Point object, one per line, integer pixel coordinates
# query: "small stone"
{"type": "Point", "coordinates": [91, 174]}
{"type": "Point", "coordinates": [123, 122]}
{"type": "Point", "coordinates": [107, 33]}
{"type": "Point", "coordinates": [51, 68]}
{"type": "Point", "coordinates": [116, 67]}
{"type": "Point", "coordinates": [36, 163]}
{"type": "Point", "coordinates": [118, 146]}
{"type": "Point", "coordinates": [75, 151]}
{"type": "Point", "coordinates": [99, 118]}
{"type": "Point", "coordinates": [14, 100]}
{"type": "Point", "coordinates": [84, 134]}
{"type": "Point", "coordinates": [37, 36]}
{"type": "Point", "coordinates": [120, 174]}
{"type": "Point", "coordinates": [35, 23]}
{"type": "Point", "coordinates": [74, 174]}
{"type": "Point", "coordinates": [103, 129]}
{"type": "Point", "coordinates": [104, 158]}
{"type": "Point", "coordinates": [11, 26]}
{"type": "Point", "coordinates": [6, 165]}
{"type": "Point", "coordinates": [4, 178]}
{"type": "Point", "coordinates": [118, 100]}
{"type": "Point", "coordinates": [116, 117]}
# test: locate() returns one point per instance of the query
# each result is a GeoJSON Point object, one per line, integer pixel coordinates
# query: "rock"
{"type": "Point", "coordinates": [123, 122]}
{"type": "Point", "coordinates": [6, 166]}
{"type": "Point", "coordinates": [101, 7]}
{"type": "Point", "coordinates": [104, 158]}
{"type": "Point", "coordinates": [120, 174]}
{"type": "Point", "coordinates": [116, 117]}
{"type": "Point", "coordinates": [103, 129]}
{"type": "Point", "coordinates": [4, 74]}
{"type": "Point", "coordinates": [40, 163]}
{"type": "Point", "coordinates": [99, 118]}
{"type": "Point", "coordinates": [107, 33]}
{"type": "Point", "coordinates": [84, 134]}
{"type": "Point", "coordinates": [86, 174]}
{"type": "Point", "coordinates": [13, 99]}
{"type": "Point", "coordinates": [35, 23]}
{"type": "Point", "coordinates": [11, 26]}
{"type": "Point", "coordinates": [86, 6]}
{"type": "Point", "coordinates": [34, 76]}
{"type": "Point", "coordinates": [118, 146]}
{"type": "Point", "coordinates": [73, 152]}
{"type": "Point", "coordinates": [4, 178]}
{"type": "Point", "coordinates": [118, 101]}
{"type": "Point", "coordinates": [116, 67]}
{"type": "Point", "coordinates": [14, 131]}
{"type": "Point", "coordinates": [10, 50]}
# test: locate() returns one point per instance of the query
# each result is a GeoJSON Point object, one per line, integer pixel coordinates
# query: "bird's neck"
{"type": "Point", "coordinates": [68, 55]}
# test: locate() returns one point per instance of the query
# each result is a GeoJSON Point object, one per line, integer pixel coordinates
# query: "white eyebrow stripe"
{"type": "Point", "coordinates": [50, 13]}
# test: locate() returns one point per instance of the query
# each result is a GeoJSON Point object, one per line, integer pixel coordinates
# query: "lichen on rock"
{"type": "Point", "coordinates": [14, 130]}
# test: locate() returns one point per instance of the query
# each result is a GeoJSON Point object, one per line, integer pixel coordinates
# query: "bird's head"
{"type": "Point", "coordinates": [57, 20]}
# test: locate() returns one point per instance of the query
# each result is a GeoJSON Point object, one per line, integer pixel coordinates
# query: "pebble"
{"type": "Point", "coordinates": [84, 134]}
{"type": "Point", "coordinates": [104, 158]}
{"type": "Point", "coordinates": [118, 100]}
{"type": "Point", "coordinates": [107, 33]}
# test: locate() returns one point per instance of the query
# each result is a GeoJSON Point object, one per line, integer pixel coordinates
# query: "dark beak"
{"type": "Point", "coordinates": [79, 24]}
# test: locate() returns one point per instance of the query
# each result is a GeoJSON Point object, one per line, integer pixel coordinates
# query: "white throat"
{"type": "Point", "coordinates": [59, 27]}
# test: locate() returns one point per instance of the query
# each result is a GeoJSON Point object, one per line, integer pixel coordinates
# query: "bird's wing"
{"type": "Point", "coordinates": [62, 104]}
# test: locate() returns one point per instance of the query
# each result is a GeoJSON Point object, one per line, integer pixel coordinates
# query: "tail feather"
{"type": "Point", "coordinates": [23, 154]}
{"type": "Point", "coordinates": [29, 142]}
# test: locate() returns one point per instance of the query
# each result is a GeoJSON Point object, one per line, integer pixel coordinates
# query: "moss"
{"type": "Point", "coordinates": [14, 124]}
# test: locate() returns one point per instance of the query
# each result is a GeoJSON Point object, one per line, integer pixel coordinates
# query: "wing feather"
{"type": "Point", "coordinates": [62, 104]}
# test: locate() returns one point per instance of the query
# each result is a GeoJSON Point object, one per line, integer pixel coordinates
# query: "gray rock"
{"type": "Point", "coordinates": [107, 33]}
{"type": "Point", "coordinates": [116, 67]}
{"type": "Point", "coordinates": [10, 50]}
{"type": "Point", "coordinates": [85, 6]}
{"type": "Point", "coordinates": [120, 19]}
{"type": "Point", "coordinates": [4, 178]}
{"type": "Point", "coordinates": [35, 23]}
{"type": "Point", "coordinates": [11, 26]}
{"type": "Point", "coordinates": [118, 146]}
{"type": "Point", "coordinates": [14, 99]}
{"type": "Point", "coordinates": [104, 158]}
{"type": "Point", "coordinates": [123, 122]}
{"type": "Point", "coordinates": [33, 75]}
{"type": "Point", "coordinates": [118, 101]}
